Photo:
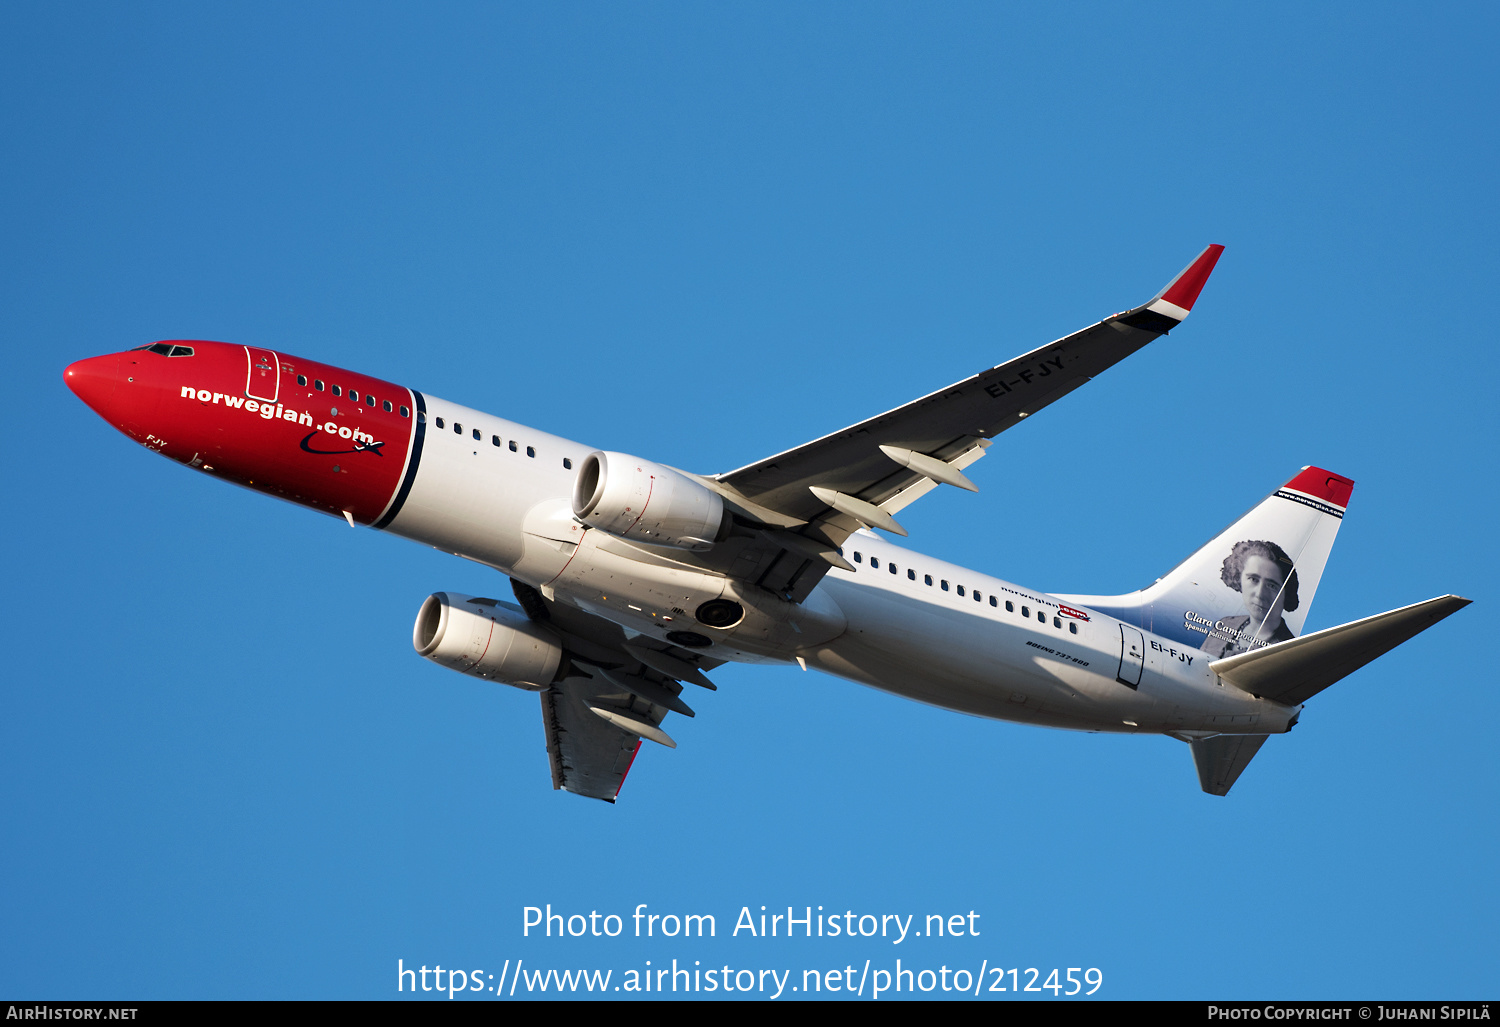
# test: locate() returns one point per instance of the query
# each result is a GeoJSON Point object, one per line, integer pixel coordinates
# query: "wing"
{"type": "Point", "coordinates": [614, 692]}
{"type": "Point", "coordinates": [808, 500]}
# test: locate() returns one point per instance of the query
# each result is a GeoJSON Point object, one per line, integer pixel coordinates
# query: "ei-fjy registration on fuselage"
{"type": "Point", "coordinates": [632, 579]}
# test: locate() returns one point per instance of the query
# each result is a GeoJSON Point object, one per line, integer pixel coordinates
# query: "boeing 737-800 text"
{"type": "Point", "coordinates": [632, 578]}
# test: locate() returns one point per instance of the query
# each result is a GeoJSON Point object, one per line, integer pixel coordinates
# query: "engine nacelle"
{"type": "Point", "coordinates": [486, 639]}
{"type": "Point", "coordinates": [646, 502]}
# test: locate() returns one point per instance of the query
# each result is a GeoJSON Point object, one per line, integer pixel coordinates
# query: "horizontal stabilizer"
{"type": "Point", "coordinates": [1222, 758]}
{"type": "Point", "coordinates": [1294, 671]}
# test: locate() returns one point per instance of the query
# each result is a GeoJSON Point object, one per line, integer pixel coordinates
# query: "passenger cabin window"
{"type": "Point", "coordinates": [945, 584]}
{"type": "Point", "coordinates": [369, 400]}
{"type": "Point", "coordinates": [458, 429]}
{"type": "Point", "coordinates": [978, 598]}
{"type": "Point", "coordinates": [530, 451]}
{"type": "Point", "coordinates": [512, 445]}
{"type": "Point", "coordinates": [993, 601]}
{"type": "Point", "coordinates": [927, 579]}
{"type": "Point", "coordinates": [1057, 622]}
{"type": "Point", "coordinates": [302, 379]}
{"type": "Point", "coordinates": [1072, 627]}
{"type": "Point", "coordinates": [386, 406]}
{"type": "Point", "coordinates": [1041, 615]}
{"type": "Point", "coordinates": [960, 590]}
{"type": "Point", "coordinates": [911, 575]}
{"type": "Point", "coordinates": [568, 464]}
{"type": "Point", "coordinates": [478, 434]}
{"type": "Point", "coordinates": [1010, 607]}
{"type": "Point", "coordinates": [892, 567]}
{"type": "Point", "coordinates": [405, 412]}
{"type": "Point", "coordinates": [318, 384]}
{"type": "Point", "coordinates": [495, 441]}
{"type": "Point", "coordinates": [1026, 612]}
{"type": "Point", "coordinates": [857, 557]}
{"type": "Point", "coordinates": [875, 562]}
{"type": "Point", "coordinates": [439, 422]}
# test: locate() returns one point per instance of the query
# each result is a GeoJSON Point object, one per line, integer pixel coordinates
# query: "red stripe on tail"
{"type": "Point", "coordinates": [1325, 485]}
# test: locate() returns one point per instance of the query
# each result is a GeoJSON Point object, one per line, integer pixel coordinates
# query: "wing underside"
{"type": "Point", "coordinates": [614, 692]}
{"type": "Point", "coordinates": [589, 755]}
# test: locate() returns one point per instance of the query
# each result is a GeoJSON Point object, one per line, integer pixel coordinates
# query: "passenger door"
{"type": "Point", "coordinates": [1132, 656]}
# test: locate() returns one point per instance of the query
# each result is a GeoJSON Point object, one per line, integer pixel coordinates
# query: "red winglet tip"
{"type": "Point", "coordinates": [1184, 290]}
{"type": "Point", "coordinates": [1325, 485]}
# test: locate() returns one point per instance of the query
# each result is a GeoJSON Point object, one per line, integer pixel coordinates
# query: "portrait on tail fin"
{"type": "Point", "coordinates": [1252, 584]}
{"type": "Point", "coordinates": [1267, 580]}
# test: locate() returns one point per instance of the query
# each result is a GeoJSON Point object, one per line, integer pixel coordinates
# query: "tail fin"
{"type": "Point", "coordinates": [1254, 583]}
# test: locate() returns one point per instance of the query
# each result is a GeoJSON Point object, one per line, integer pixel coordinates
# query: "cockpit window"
{"type": "Point", "coordinates": [181, 351]}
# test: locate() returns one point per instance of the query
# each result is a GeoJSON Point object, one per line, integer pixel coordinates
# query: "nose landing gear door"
{"type": "Point", "coordinates": [1132, 656]}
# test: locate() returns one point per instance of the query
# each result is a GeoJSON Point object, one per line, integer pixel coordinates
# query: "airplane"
{"type": "Point", "coordinates": [632, 579]}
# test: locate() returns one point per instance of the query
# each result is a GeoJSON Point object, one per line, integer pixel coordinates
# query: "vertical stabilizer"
{"type": "Point", "coordinates": [1253, 584]}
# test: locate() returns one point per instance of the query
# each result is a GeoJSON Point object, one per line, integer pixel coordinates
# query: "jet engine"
{"type": "Point", "coordinates": [486, 639]}
{"type": "Point", "coordinates": [645, 502]}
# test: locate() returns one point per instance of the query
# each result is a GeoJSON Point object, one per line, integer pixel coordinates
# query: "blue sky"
{"type": "Point", "coordinates": [703, 234]}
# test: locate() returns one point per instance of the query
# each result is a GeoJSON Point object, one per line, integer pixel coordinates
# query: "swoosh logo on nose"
{"type": "Point", "coordinates": [359, 447]}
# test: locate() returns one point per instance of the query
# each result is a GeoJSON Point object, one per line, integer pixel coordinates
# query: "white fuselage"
{"type": "Point", "coordinates": [954, 647]}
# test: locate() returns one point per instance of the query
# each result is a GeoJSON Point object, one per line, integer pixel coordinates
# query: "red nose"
{"type": "Point", "coordinates": [93, 381]}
